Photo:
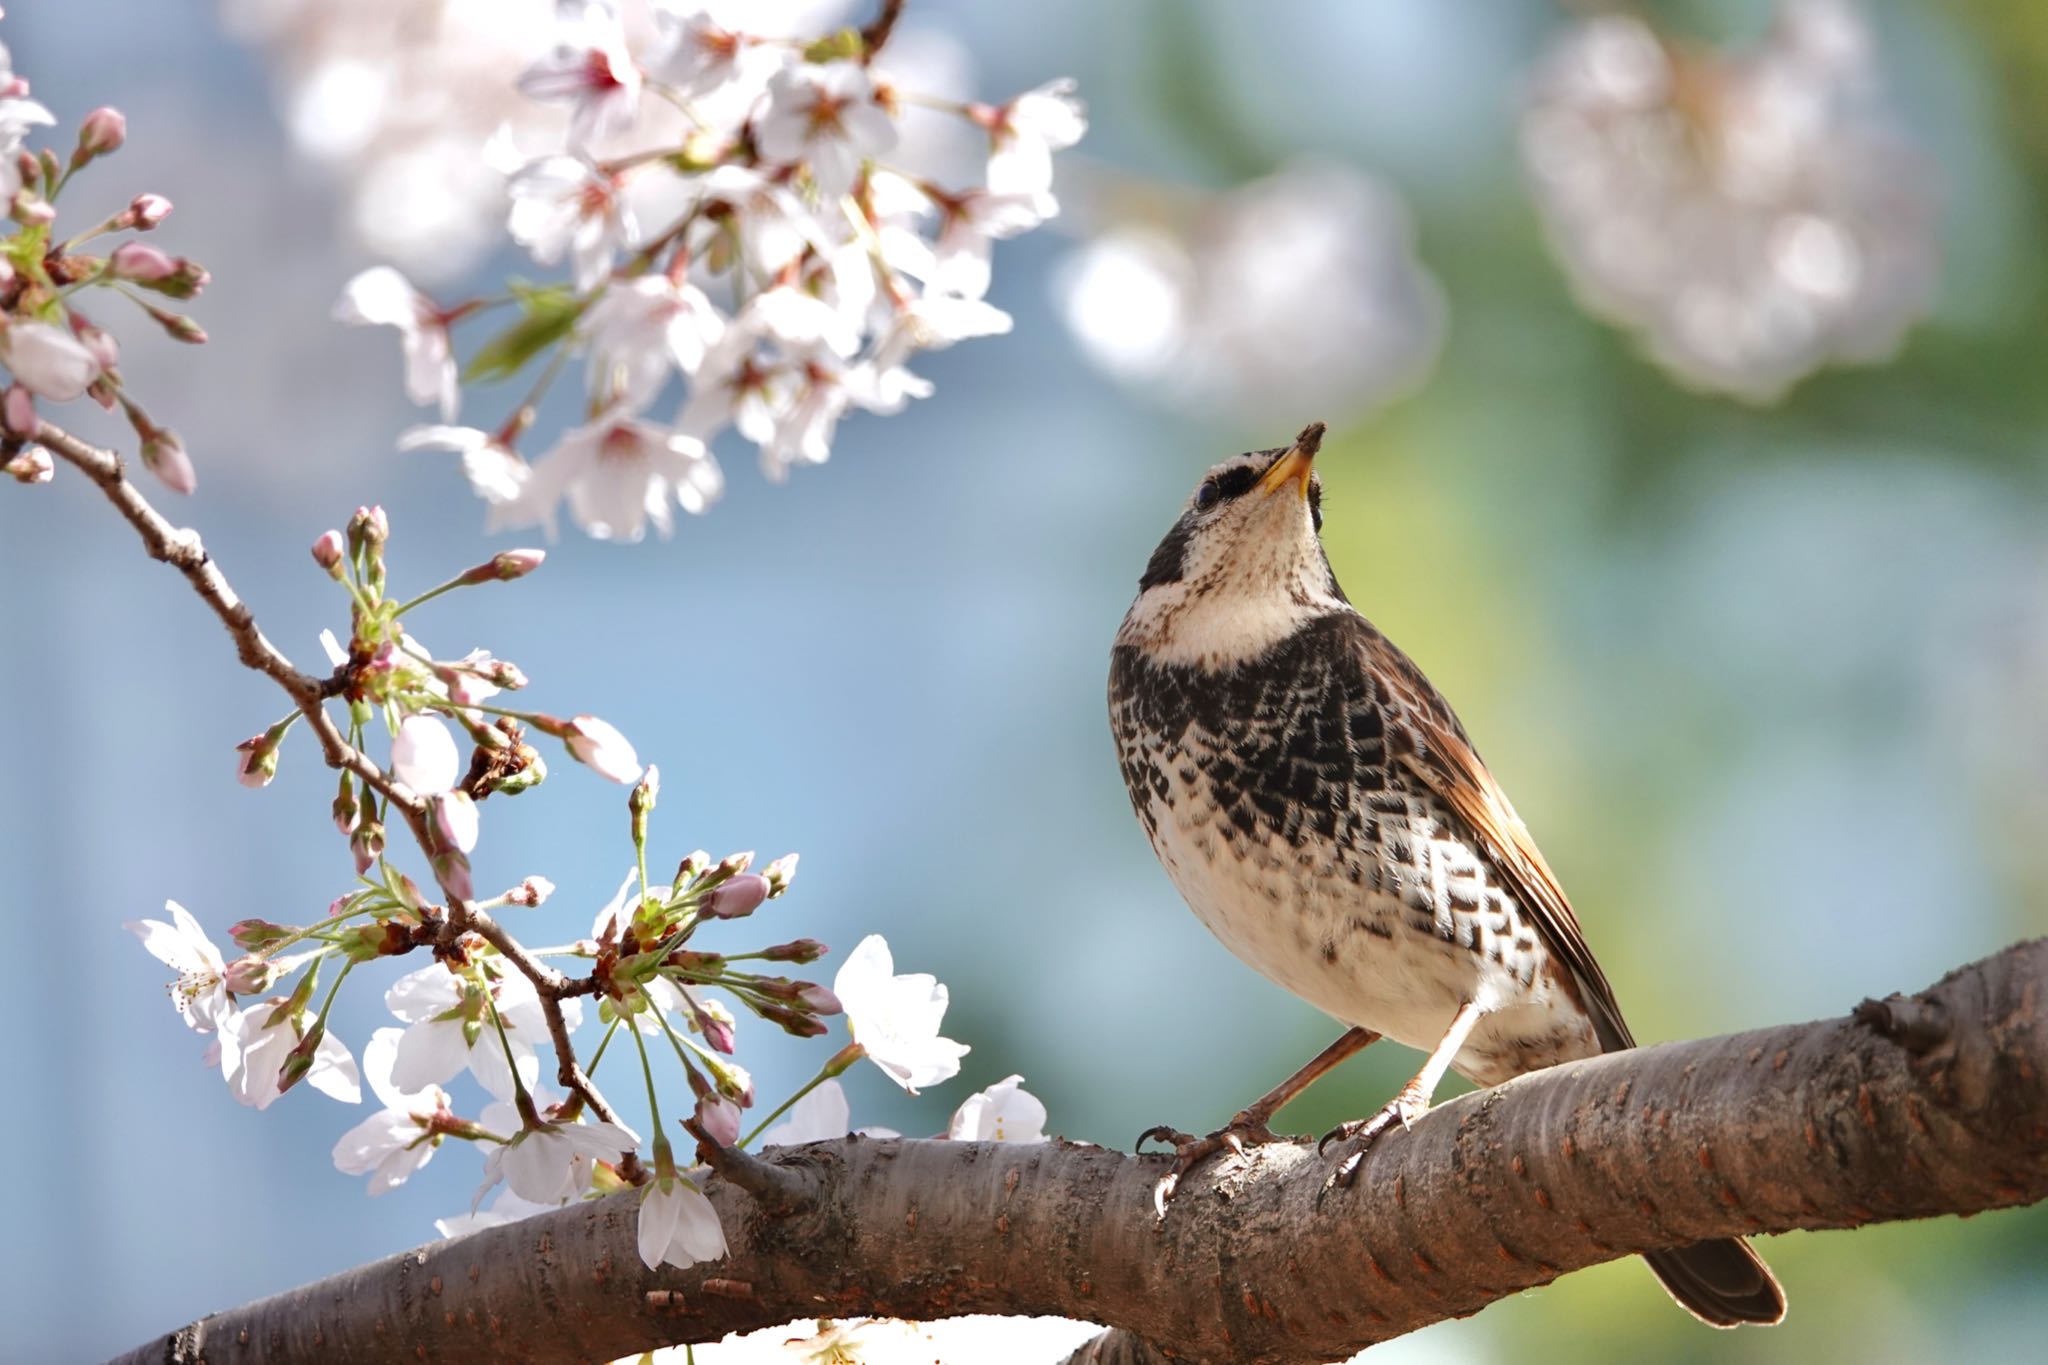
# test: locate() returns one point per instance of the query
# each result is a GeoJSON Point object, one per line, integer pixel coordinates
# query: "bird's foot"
{"type": "Point", "coordinates": [1245, 1129]}
{"type": "Point", "coordinates": [1407, 1106]}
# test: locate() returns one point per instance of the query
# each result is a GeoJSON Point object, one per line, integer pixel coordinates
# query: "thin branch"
{"type": "Point", "coordinates": [182, 549]}
{"type": "Point", "coordinates": [1911, 1108]}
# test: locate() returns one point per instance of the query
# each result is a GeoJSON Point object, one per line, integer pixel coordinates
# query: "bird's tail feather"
{"type": "Point", "coordinates": [1722, 1283]}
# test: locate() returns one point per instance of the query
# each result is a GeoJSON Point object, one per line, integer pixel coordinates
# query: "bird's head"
{"type": "Point", "coordinates": [1243, 568]}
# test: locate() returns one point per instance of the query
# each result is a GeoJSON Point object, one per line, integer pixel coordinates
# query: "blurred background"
{"type": "Point", "coordinates": [1683, 366]}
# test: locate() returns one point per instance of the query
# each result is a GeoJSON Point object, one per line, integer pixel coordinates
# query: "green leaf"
{"type": "Point", "coordinates": [548, 313]}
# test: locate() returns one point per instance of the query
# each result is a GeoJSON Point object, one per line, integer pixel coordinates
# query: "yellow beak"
{"type": "Point", "coordinates": [1294, 466]}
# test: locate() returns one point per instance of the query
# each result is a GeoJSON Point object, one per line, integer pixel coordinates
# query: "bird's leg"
{"type": "Point", "coordinates": [1410, 1103]}
{"type": "Point", "coordinates": [1249, 1124]}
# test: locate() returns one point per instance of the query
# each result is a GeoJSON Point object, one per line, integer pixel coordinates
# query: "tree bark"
{"type": "Point", "coordinates": [1909, 1108]}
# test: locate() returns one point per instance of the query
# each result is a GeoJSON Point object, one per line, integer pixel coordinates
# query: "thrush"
{"type": "Point", "coordinates": [1319, 806]}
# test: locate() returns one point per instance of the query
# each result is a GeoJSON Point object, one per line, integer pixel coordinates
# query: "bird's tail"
{"type": "Point", "coordinates": [1722, 1283]}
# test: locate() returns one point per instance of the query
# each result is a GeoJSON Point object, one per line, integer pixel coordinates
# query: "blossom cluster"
{"type": "Point", "coordinates": [51, 350]}
{"type": "Point", "coordinates": [489, 1007]}
{"type": "Point", "coordinates": [1754, 215]}
{"type": "Point", "coordinates": [748, 245]}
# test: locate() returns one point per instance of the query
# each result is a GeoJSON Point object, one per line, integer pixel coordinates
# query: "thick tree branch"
{"type": "Point", "coordinates": [1910, 1108]}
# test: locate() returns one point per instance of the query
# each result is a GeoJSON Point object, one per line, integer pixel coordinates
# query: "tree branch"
{"type": "Point", "coordinates": [1910, 1108]}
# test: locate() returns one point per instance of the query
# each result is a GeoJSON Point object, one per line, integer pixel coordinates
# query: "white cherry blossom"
{"type": "Point", "coordinates": [398, 1139]}
{"type": "Point", "coordinates": [1005, 1112]}
{"type": "Point", "coordinates": [565, 206]}
{"type": "Point", "coordinates": [508, 1207]}
{"type": "Point", "coordinates": [255, 1044]}
{"type": "Point", "coordinates": [380, 296]}
{"type": "Point", "coordinates": [591, 70]}
{"type": "Point", "coordinates": [451, 1029]}
{"type": "Point", "coordinates": [543, 1164]}
{"type": "Point", "coordinates": [896, 1019]}
{"type": "Point", "coordinates": [200, 993]}
{"type": "Point", "coordinates": [643, 328]}
{"type": "Point", "coordinates": [678, 1226]}
{"type": "Point", "coordinates": [619, 473]}
{"type": "Point", "coordinates": [824, 115]}
{"type": "Point", "coordinates": [495, 474]}
{"type": "Point", "coordinates": [1024, 134]}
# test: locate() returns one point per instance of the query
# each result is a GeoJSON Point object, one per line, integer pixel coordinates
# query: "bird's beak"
{"type": "Point", "coordinates": [1294, 466]}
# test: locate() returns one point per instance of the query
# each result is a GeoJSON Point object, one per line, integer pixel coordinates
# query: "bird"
{"type": "Point", "coordinates": [1321, 809]}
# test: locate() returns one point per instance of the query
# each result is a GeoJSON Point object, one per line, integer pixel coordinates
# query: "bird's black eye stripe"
{"type": "Point", "coordinates": [1233, 482]}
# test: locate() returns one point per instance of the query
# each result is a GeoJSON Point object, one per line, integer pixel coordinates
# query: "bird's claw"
{"type": "Point", "coordinates": [1404, 1109]}
{"type": "Point", "coordinates": [1190, 1151]}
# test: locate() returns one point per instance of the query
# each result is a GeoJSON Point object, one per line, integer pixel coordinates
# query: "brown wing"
{"type": "Point", "coordinates": [1425, 737]}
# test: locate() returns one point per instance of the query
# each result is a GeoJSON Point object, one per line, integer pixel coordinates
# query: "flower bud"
{"type": "Point", "coordinates": [253, 934]}
{"type": "Point", "coordinates": [98, 342]}
{"type": "Point", "coordinates": [367, 845]}
{"type": "Point", "coordinates": [251, 975]}
{"type": "Point", "coordinates": [455, 820]}
{"type": "Point", "coordinates": [30, 465]}
{"type": "Point", "coordinates": [732, 1080]}
{"type": "Point", "coordinates": [737, 898]}
{"type": "Point", "coordinates": [163, 454]}
{"type": "Point", "coordinates": [103, 131]}
{"type": "Point", "coordinates": [718, 1119]}
{"type": "Point", "coordinates": [817, 999]}
{"type": "Point", "coordinates": [177, 325]}
{"type": "Point", "coordinates": [505, 566]}
{"type": "Point", "coordinates": [299, 1060]}
{"type": "Point", "coordinates": [328, 552]}
{"type": "Point", "coordinates": [692, 867]}
{"type": "Point", "coordinates": [18, 411]}
{"type": "Point", "coordinates": [716, 1023]}
{"type": "Point", "coordinates": [257, 763]}
{"type": "Point", "coordinates": [145, 211]}
{"type": "Point", "coordinates": [596, 745]}
{"type": "Point", "coordinates": [451, 870]}
{"type": "Point", "coordinates": [345, 810]}
{"type": "Point", "coordinates": [796, 950]}
{"type": "Point", "coordinates": [531, 892]}
{"type": "Point", "coordinates": [369, 526]}
{"type": "Point", "coordinates": [47, 360]}
{"type": "Point", "coordinates": [793, 1022]}
{"type": "Point", "coordinates": [141, 264]}
{"type": "Point", "coordinates": [780, 874]}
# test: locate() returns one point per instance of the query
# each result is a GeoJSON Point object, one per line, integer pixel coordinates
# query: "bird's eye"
{"type": "Point", "coordinates": [1208, 495]}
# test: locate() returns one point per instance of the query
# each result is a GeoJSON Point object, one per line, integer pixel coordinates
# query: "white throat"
{"type": "Point", "coordinates": [1233, 601]}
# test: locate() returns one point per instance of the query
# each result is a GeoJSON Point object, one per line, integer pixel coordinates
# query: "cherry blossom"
{"type": "Point", "coordinates": [380, 296]}
{"type": "Point", "coordinates": [451, 1028]}
{"type": "Point", "coordinates": [566, 206]}
{"type": "Point", "coordinates": [641, 329]}
{"type": "Point", "coordinates": [716, 67]}
{"type": "Point", "coordinates": [258, 1042]}
{"type": "Point", "coordinates": [494, 472]}
{"type": "Point", "coordinates": [1754, 215]}
{"type": "Point", "coordinates": [1005, 1112]}
{"type": "Point", "coordinates": [1024, 134]}
{"type": "Point", "coordinates": [678, 1226]}
{"type": "Point", "coordinates": [200, 993]}
{"type": "Point", "coordinates": [896, 1019]}
{"type": "Point", "coordinates": [825, 116]}
{"type": "Point", "coordinates": [589, 68]}
{"type": "Point", "coordinates": [542, 1163]}
{"type": "Point", "coordinates": [398, 1139]}
{"type": "Point", "coordinates": [618, 474]}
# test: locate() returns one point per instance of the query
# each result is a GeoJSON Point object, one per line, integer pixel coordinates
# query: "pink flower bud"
{"type": "Point", "coordinates": [817, 999]}
{"type": "Point", "coordinates": [257, 763]}
{"type": "Point", "coordinates": [250, 975]}
{"type": "Point", "coordinates": [141, 264]}
{"type": "Point", "coordinates": [103, 131]}
{"type": "Point", "coordinates": [252, 934]}
{"type": "Point", "coordinates": [455, 820]}
{"type": "Point", "coordinates": [30, 465]}
{"type": "Point", "coordinates": [98, 341]}
{"type": "Point", "coordinates": [328, 551]}
{"type": "Point", "coordinates": [18, 411]}
{"type": "Point", "coordinates": [451, 869]}
{"type": "Point", "coordinates": [163, 454]}
{"type": "Point", "coordinates": [30, 211]}
{"type": "Point", "coordinates": [718, 1033]}
{"type": "Point", "coordinates": [796, 950]}
{"type": "Point", "coordinates": [48, 360]}
{"type": "Point", "coordinates": [145, 211]}
{"type": "Point", "coordinates": [718, 1118]}
{"type": "Point", "coordinates": [737, 898]}
{"type": "Point", "coordinates": [177, 325]}
{"type": "Point", "coordinates": [367, 845]}
{"type": "Point", "coordinates": [505, 566]}
{"type": "Point", "coordinates": [602, 749]}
